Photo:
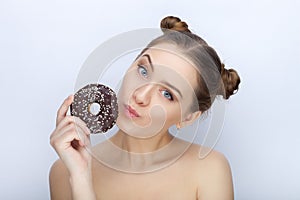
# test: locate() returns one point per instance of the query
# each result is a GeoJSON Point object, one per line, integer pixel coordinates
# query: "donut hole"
{"type": "Point", "coordinates": [94, 108]}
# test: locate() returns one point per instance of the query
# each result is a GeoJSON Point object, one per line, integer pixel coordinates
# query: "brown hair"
{"type": "Point", "coordinates": [214, 79]}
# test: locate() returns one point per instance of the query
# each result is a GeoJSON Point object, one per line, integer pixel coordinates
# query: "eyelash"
{"type": "Point", "coordinates": [170, 94]}
{"type": "Point", "coordinates": [142, 68]}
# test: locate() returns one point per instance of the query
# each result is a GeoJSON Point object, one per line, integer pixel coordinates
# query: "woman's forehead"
{"type": "Point", "coordinates": [168, 59]}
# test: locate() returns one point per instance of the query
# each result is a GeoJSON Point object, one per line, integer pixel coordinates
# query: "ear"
{"type": "Point", "coordinates": [190, 118]}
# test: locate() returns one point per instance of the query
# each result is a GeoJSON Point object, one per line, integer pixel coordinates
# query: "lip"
{"type": "Point", "coordinates": [131, 112]}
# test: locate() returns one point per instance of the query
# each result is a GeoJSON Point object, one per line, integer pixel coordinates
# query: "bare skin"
{"type": "Point", "coordinates": [188, 178]}
{"type": "Point", "coordinates": [76, 175]}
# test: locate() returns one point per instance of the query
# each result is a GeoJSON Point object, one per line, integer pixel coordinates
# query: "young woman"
{"type": "Point", "coordinates": [173, 81]}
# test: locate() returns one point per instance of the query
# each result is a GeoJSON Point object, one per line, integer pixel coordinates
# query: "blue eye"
{"type": "Point", "coordinates": [143, 71]}
{"type": "Point", "coordinates": [168, 95]}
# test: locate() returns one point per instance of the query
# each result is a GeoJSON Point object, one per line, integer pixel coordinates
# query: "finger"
{"type": "Point", "coordinates": [72, 119]}
{"type": "Point", "coordinates": [78, 128]}
{"type": "Point", "coordinates": [64, 122]}
{"type": "Point", "coordinates": [61, 127]}
{"type": "Point", "coordinates": [85, 147]}
{"type": "Point", "coordinates": [62, 111]}
{"type": "Point", "coordinates": [72, 137]}
{"type": "Point", "coordinates": [83, 125]}
{"type": "Point", "coordinates": [70, 123]}
{"type": "Point", "coordinates": [84, 136]}
{"type": "Point", "coordinates": [64, 139]}
{"type": "Point", "coordinates": [56, 136]}
{"type": "Point", "coordinates": [85, 152]}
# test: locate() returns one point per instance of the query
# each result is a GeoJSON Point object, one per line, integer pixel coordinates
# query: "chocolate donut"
{"type": "Point", "coordinates": [97, 106]}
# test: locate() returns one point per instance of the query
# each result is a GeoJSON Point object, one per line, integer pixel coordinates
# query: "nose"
{"type": "Point", "coordinates": [142, 95]}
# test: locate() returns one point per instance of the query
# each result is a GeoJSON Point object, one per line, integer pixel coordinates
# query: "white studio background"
{"type": "Point", "coordinates": [44, 43]}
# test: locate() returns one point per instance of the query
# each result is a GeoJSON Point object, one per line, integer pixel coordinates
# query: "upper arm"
{"type": "Point", "coordinates": [59, 182]}
{"type": "Point", "coordinates": [216, 179]}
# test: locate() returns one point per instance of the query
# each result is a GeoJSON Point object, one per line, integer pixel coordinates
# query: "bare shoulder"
{"type": "Point", "coordinates": [206, 157]}
{"type": "Point", "coordinates": [212, 171]}
{"type": "Point", "coordinates": [59, 181]}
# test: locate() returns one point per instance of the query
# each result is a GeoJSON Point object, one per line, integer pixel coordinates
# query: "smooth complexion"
{"type": "Point", "coordinates": [145, 87]}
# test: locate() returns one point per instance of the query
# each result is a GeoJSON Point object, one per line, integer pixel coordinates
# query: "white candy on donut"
{"type": "Point", "coordinates": [97, 106]}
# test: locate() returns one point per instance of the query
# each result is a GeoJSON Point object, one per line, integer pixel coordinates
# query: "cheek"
{"type": "Point", "coordinates": [129, 84]}
{"type": "Point", "coordinates": [125, 89]}
{"type": "Point", "coordinates": [165, 110]}
{"type": "Point", "coordinates": [173, 113]}
{"type": "Point", "coordinates": [177, 111]}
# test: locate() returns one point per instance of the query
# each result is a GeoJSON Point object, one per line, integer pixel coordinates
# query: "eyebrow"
{"type": "Point", "coordinates": [149, 59]}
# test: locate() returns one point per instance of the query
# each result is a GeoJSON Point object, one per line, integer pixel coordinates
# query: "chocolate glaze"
{"type": "Point", "coordinates": [105, 97]}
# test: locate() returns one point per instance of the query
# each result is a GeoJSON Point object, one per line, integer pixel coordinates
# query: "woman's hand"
{"type": "Point", "coordinates": [70, 139]}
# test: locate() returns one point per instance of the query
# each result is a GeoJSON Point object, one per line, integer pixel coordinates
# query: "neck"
{"type": "Point", "coordinates": [141, 145]}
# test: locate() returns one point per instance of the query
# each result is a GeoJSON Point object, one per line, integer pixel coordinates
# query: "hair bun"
{"type": "Point", "coordinates": [173, 23]}
{"type": "Point", "coordinates": [231, 81]}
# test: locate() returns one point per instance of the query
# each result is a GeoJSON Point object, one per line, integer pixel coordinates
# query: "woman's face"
{"type": "Point", "coordinates": [156, 92]}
